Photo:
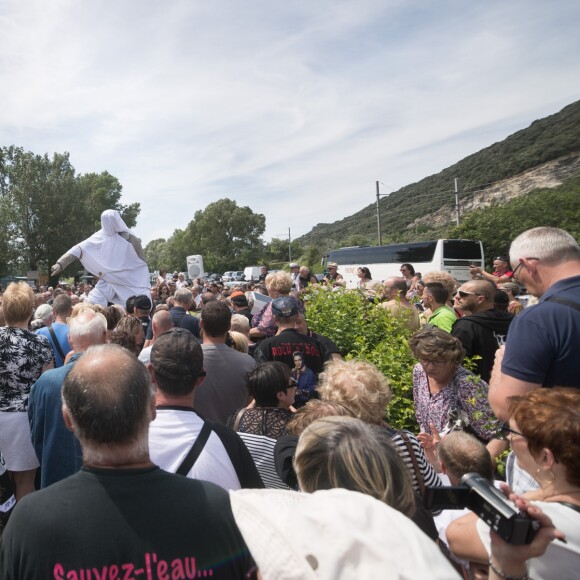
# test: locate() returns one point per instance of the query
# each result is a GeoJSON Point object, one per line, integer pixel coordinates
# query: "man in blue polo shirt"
{"type": "Point", "coordinates": [542, 344]}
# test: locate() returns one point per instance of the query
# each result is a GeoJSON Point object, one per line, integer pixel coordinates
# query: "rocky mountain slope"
{"type": "Point", "coordinates": [540, 156]}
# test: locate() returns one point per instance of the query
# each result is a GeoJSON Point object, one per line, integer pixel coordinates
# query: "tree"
{"type": "Point", "coordinates": [46, 208]}
{"type": "Point", "coordinates": [103, 191]}
{"type": "Point", "coordinates": [226, 235]}
{"type": "Point", "coordinates": [277, 250]}
{"type": "Point", "coordinates": [498, 225]}
{"type": "Point", "coordinates": [155, 252]}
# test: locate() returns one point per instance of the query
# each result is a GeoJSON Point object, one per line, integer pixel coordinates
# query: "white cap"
{"type": "Point", "coordinates": [333, 534]}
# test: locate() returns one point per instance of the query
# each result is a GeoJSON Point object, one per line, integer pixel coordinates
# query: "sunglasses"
{"type": "Point", "coordinates": [463, 294]}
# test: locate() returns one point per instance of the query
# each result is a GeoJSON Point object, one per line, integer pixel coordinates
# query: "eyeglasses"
{"type": "Point", "coordinates": [463, 294]}
{"type": "Point", "coordinates": [436, 363]}
{"type": "Point", "coordinates": [506, 431]}
{"type": "Point", "coordinates": [519, 266]}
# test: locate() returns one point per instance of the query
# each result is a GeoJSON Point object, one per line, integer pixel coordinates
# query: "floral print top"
{"type": "Point", "coordinates": [23, 354]}
{"type": "Point", "coordinates": [471, 398]}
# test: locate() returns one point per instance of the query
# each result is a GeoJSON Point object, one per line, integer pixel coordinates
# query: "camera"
{"type": "Point", "coordinates": [481, 497]}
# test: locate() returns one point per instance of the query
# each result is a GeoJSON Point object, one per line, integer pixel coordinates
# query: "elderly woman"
{"type": "Point", "coordinates": [278, 284]}
{"type": "Point", "coordinates": [544, 432]}
{"type": "Point", "coordinates": [43, 317]}
{"type": "Point", "coordinates": [446, 395]}
{"type": "Point", "coordinates": [273, 390]}
{"type": "Point", "coordinates": [363, 389]}
{"type": "Point", "coordinates": [24, 356]}
{"type": "Point", "coordinates": [348, 453]}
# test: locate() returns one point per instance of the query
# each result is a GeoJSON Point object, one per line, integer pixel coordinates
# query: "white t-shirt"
{"type": "Point", "coordinates": [561, 561]}
{"type": "Point", "coordinates": [171, 436]}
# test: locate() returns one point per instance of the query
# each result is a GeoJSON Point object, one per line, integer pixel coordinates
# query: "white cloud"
{"type": "Point", "coordinates": [294, 109]}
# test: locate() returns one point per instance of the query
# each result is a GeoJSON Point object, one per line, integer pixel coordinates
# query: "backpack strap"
{"type": "Point", "coordinates": [563, 301]}
{"type": "Point", "coordinates": [56, 343]}
{"type": "Point", "coordinates": [195, 450]}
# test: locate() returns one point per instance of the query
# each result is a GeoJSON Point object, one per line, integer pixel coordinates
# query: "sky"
{"type": "Point", "coordinates": [294, 109]}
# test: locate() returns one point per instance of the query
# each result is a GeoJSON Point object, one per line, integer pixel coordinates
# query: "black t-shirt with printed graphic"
{"type": "Point", "coordinates": [135, 523]}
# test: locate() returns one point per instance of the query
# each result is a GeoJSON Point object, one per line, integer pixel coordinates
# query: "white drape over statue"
{"type": "Point", "coordinates": [115, 256]}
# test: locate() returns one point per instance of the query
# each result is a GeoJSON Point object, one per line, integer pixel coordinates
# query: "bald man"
{"type": "Point", "coordinates": [108, 402]}
{"type": "Point", "coordinates": [484, 328]}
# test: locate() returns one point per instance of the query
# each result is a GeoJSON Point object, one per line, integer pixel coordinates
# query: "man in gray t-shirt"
{"type": "Point", "coordinates": [224, 388]}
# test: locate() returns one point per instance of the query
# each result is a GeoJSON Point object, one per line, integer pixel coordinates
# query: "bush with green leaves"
{"type": "Point", "coordinates": [365, 331]}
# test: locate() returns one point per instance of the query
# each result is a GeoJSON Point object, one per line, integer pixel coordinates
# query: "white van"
{"type": "Point", "coordinates": [251, 273]}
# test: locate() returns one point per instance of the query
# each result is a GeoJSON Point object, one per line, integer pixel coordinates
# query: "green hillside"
{"type": "Point", "coordinates": [544, 140]}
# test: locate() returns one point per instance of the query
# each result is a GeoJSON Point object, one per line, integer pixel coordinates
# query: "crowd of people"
{"type": "Point", "coordinates": [201, 430]}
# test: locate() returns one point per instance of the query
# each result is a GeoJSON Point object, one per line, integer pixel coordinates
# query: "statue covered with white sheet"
{"type": "Point", "coordinates": [113, 254]}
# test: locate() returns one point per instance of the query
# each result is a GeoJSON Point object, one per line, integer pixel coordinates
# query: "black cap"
{"type": "Point", "coordinates": [142, 302]}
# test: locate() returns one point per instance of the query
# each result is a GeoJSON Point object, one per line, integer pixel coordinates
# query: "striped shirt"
{"type": "Point", "coordinates": [261, 449]}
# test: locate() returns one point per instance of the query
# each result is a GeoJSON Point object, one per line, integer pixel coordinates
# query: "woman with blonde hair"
{"type": "Point", "coordinates": [278, 284]}
{"type": "Point", "coordinates": [345, 452]}
{"type": "Point", "coordinates": [24, 356]}
{"type": "Point", "coordinates": [365, 391]}
{"type": "Point", "coordinates": [239, 341]}
{"type": "Point", "coordinates": [349, 453]}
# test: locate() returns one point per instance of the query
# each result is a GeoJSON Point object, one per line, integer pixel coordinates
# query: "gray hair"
{"type": "Point", "coordinates": [87, 329]}
{"type": "Point", "coordinates": [550, 245]}
{"type": "Point", "coordinates": [183, 296]}
{"type": "Point", "coordinates": [240, 323]}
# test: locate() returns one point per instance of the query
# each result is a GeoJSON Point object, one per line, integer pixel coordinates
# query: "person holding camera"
{"type": "Point", "coordinates": [544, 432]}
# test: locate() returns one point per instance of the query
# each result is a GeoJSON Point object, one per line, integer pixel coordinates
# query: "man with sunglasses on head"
{"type": "Point", "coordinates": [482, 329]}
{"type": "Point", "coordinates": [542, 347]}
{"type": "Point", "coordinates": [500, 275]}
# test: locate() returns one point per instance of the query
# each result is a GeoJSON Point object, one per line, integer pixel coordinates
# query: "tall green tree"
{"type": "Point", "coordinates": [277, 250]}
{"type": "Point", "coordinates": [226, 235]}
{"type": "Point", "coordinates": [46, 208]}
{"type": "Point", "coordinates": [498, 225]}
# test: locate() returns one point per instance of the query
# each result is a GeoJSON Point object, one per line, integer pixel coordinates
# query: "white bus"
{"type": "Point", "coordinates": [453, 256]}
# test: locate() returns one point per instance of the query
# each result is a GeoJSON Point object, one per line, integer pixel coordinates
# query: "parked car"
{"type": "Point", "coordinates": [209, 277]}
{"type": "Point", "coordinates": [238, 276]}
{"type": "Point", "coordinates": [227, 277]}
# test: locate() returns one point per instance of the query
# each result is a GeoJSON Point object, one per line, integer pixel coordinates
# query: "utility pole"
{"type": "Point", "coordinates": [289, 246]}
{"type": "Point", "coordinates": [456, 203]}
{"type": "Point", "coordinates": [378, 214]}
